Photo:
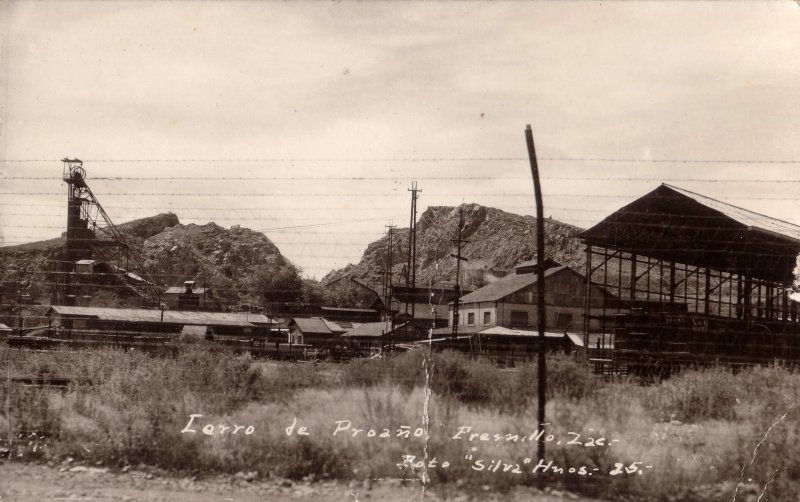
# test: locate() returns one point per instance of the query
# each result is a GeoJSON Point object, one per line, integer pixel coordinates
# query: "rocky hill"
{"type": "Point", "coordinates": [26, 267]}
{"type": "Point", "coordinates": [223, 259]}
{"type": "Point", "coordinates": [497, 240]}
{"type": "Point", "coordinates": [169, 253]}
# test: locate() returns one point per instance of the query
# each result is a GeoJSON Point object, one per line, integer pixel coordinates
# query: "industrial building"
{"type": "Point", "coordinates": [511, 301]}
{"type": "Point", "coordinates": [151, 329]}
{"type": "Point", "coordinates": [704, 282]}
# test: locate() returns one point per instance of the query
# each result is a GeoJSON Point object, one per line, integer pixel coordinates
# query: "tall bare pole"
{"type": "Point", "coordinates": [411, 271]}
{"type": "Point", "coordinates": [459, 259]}
{"type": "Point", "coordinates": [542, 370]}
{"type": "Point", "coordinates": [387, 284]}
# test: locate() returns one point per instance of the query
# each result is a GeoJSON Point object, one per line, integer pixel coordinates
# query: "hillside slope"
{"type": "Point", "coordinates": [169, 252]}
{"type": "Point", "coordinates": [498, 240]}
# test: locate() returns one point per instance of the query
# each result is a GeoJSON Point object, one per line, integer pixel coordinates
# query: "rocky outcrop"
{"type": "Point", "coordinates": [169, 253]}
{"type": "Point", "coordinates": [497, 240]}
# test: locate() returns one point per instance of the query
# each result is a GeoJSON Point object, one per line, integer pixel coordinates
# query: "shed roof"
{"type": "Point", "coordinates": [312, 325]}
{"type": "Point", "coordinates": [506, 285]}
{"type": "Point", "coordinates": [674, 224]}
{"type": "Point", "coordinates": [170, 316]}
{"type": "Point", "coordinates": [3, 327]}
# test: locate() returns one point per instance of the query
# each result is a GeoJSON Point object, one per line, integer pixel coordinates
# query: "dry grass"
{"type": "Point", "coordinates": [697, 430]}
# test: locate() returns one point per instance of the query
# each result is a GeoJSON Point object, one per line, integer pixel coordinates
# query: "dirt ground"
{"type": "Point", "coordinates": [25, 482]}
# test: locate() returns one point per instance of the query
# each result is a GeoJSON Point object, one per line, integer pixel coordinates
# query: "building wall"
{"type": "Point", "coordinates": [565, 293]}
{"type": "Point", "coordinates": [478, 310]}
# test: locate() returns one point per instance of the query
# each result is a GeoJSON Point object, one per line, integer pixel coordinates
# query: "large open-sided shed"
{"type": "Point", "coordinates": [703, 279]}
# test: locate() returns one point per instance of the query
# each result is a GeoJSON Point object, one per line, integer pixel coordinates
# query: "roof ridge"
{"type": "Point", "coordinates": [729, 204]}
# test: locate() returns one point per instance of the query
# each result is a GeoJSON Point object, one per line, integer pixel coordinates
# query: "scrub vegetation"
{"type": "Point", "coordinates": [700, 435]}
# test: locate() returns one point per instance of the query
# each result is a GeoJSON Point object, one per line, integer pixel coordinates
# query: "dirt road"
{"type": "Point", "coordinates": [23, 482]}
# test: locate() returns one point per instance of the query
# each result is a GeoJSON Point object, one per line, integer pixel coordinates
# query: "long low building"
{"type": "Point", "coordinates": [72, 322]}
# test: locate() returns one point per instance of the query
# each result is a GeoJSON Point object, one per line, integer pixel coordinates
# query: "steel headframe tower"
{"type": "Point", "coordinates": [83, 212]}
{"type": "Point", "coordinates": [79, 237]}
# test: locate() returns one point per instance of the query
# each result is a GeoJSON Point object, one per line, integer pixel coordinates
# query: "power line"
{"type": "Point", "coordinates": [391, 178]}
{"type": "Point", "coordinates": [424, 159]}
{"type": "Point", "coordinates": [329, 195]}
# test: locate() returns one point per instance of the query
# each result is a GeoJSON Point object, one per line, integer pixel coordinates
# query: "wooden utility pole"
{"type": "Point", "coordinates": [542, 370]}
{"type": "Point", "coordinates": [459, 259]}
{"type": "Point", "coordinates": [411, 274]}
{"type": "Point", "coordinates": [387, 284]}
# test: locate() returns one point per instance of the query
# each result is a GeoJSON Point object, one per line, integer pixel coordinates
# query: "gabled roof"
{"type": "Point", "coordinates": [312, 325]}
{"type": "Point", "coordinates": [169, 316]}
{"type": "Point", "coordinates": [752, 220]}
{"type": "Point", "coordinates": [505, 286]}
{"type": "Point", "coordinates": [673, 224]}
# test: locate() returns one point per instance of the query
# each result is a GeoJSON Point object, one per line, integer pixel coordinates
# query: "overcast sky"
{"type": "Point", "coordinates": [332, 93]}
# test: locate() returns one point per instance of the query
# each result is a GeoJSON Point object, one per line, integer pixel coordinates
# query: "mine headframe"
{"type": "Point", "coordinates": [85, 240]}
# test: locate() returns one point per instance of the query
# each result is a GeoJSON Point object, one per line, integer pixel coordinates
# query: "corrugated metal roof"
{"type": "Point", "coordinates": [312, 325]}
{"type": "Point", "coordinates": [505, 286]}
{"type": "Point", "coordinates": [170, 316]}
{"type": "Point", "coordinates": [748, 218]}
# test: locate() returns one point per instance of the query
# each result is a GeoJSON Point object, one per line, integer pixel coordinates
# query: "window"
{"type": "Point", "coordinates": [471, 319]}
{"type": "Point", "coordinates": [519, 318]}
{"type": "Point", "coordinates": [563, 320]}
{"type": "Point", "coordinates": [487, 318]}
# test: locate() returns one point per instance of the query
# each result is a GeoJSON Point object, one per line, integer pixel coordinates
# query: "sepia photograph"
{"type": "Point", "coordinates": [517, 251]}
